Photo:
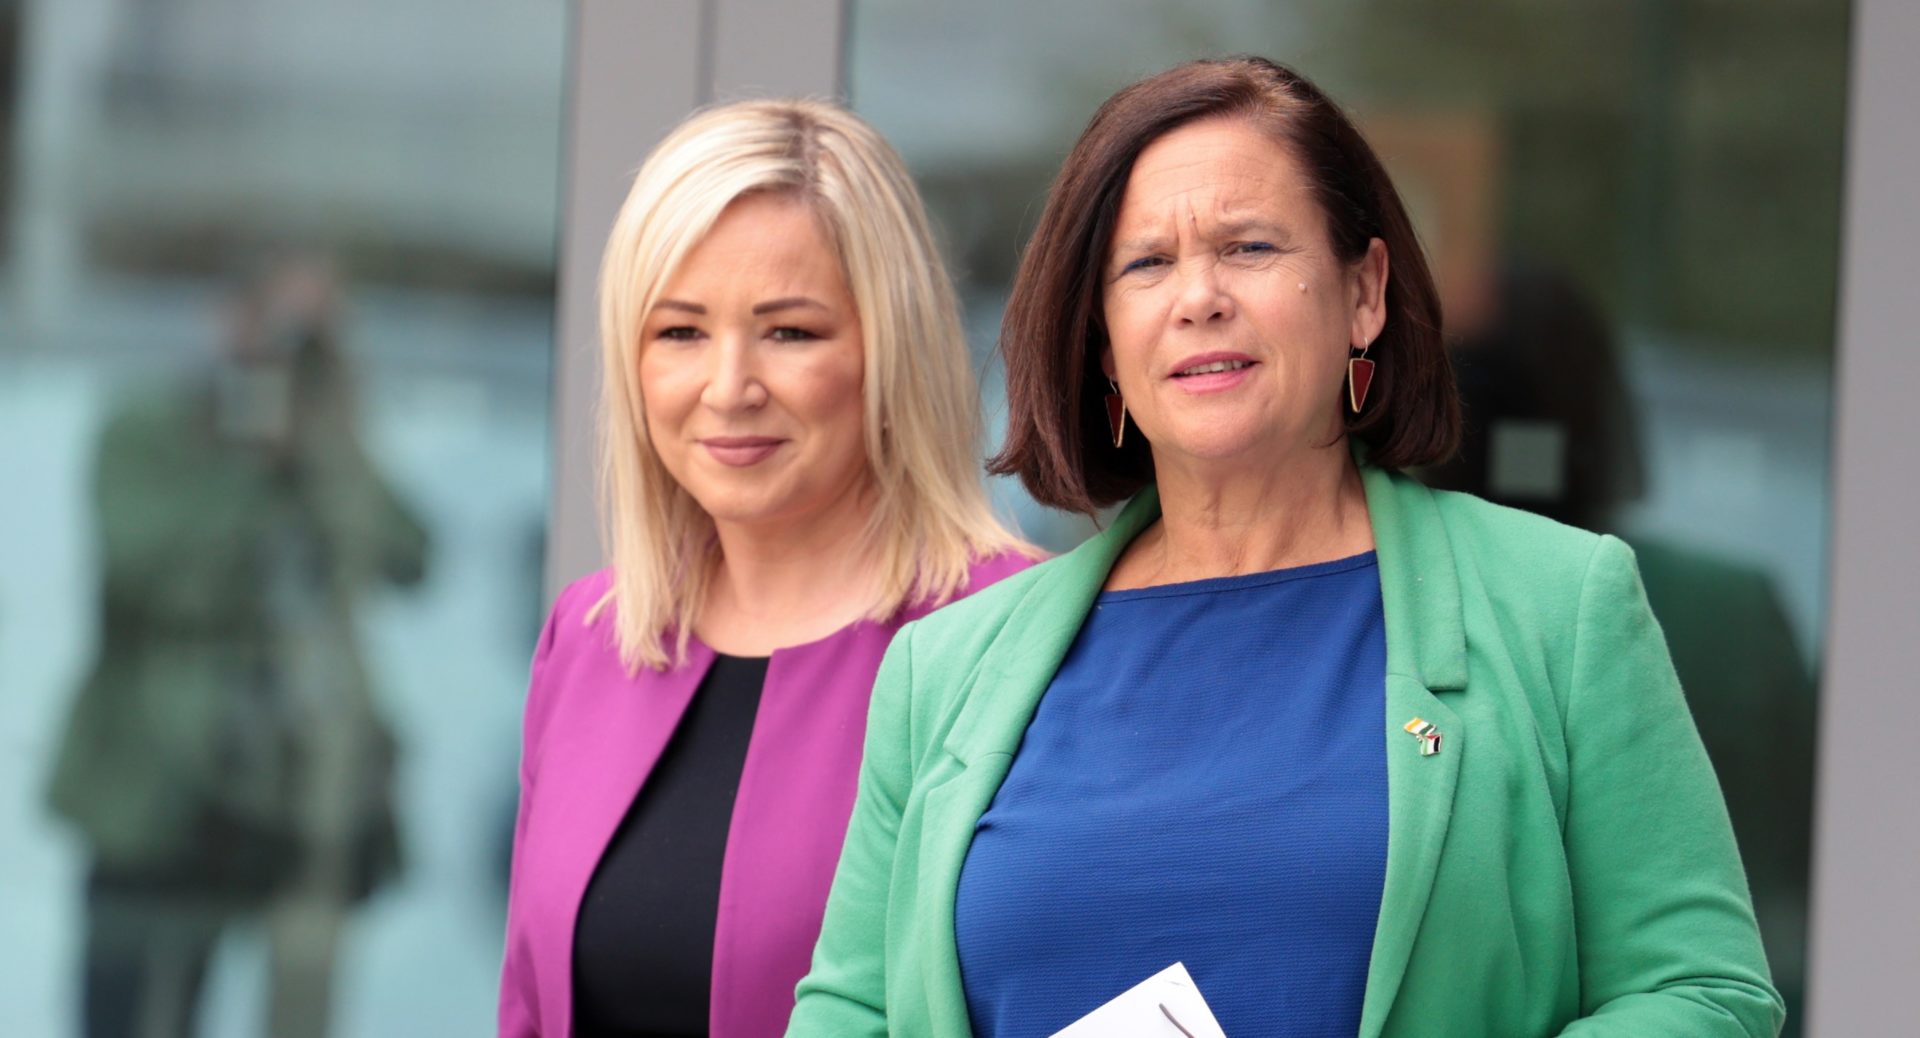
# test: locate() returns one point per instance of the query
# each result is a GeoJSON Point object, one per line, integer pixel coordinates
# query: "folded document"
{"type": "Point", "coordinates": [1165, 1005]}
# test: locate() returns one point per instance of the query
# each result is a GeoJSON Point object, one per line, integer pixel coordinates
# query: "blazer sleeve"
{"type": "Point", "coordinates": [1665, 928]}
{"type": "Point", "coordinates": [519, 1010]}
{"type": "Point", "coordinates": [844, 995]}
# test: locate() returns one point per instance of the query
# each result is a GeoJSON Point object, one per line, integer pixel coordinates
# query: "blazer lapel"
{"type": "Point", "coordinates": [1020, 662]}
{"type": "Point", "coordinates": [1000, 699]}
{"type": "Point", "coordinates": [1426, 654]}
{"type": "Point", "coordinates": [590, 776]}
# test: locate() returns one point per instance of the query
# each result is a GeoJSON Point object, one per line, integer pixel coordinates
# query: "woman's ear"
{"type": "Point", "coordinates": [1369, 294]}
{"type": "Point", "coordinates": [1106, 363]}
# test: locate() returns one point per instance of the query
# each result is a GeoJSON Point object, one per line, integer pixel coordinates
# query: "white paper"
{"type": "Point", "coordinates": [1165, 1005]}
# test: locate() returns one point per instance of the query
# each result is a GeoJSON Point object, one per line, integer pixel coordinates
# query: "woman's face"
{"type": "Point", "coordinates": [1228, 314]}
{"type": "Point", "coordinates": [750, 369]}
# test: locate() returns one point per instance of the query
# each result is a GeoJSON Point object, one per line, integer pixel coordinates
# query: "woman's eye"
{"type": "Point", "coordinates": [679, 333]}
{"type": "Point", "coordinates": [790, 334]}
{"type": "Point", "coordinates": [1143, 263]}
{"type": "Point", "coordinates": [1254, 247]}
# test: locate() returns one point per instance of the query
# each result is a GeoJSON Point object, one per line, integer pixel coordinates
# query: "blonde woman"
{"type": "Point", "coordinates": [789, 438]}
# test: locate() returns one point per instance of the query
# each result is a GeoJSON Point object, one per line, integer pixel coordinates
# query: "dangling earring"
{"type": "Point", "coordinates": [1116, 413]}
{"type": "Point", "coordinates": [1359, 378]}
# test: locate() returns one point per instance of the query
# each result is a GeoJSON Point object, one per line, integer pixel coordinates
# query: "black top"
{"type": "Point", "coordinates": [643, 944]}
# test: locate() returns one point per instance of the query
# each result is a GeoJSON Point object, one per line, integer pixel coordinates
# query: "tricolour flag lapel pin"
{"type": "Point", "coordinates": [1425, 734]}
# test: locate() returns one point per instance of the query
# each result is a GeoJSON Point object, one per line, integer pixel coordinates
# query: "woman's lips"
{"type": "Point", "coordinates": [1211, 374]}
{"type": "Point", "coordinates": [741, 451]}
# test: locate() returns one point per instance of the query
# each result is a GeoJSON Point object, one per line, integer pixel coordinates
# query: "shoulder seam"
{"type": "Point", "coordinates": [1579, 628]}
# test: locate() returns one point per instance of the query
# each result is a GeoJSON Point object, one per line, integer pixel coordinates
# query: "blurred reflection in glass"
{"type": "Point", "coordinates": [1550, 427]}
{"type": "Point", "coordinates": [179, 177]}
{"type": "Point", "coordinates": [225, 760]}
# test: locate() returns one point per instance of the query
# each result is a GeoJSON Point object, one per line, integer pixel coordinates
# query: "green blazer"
{"type": "Point", "coordinates": [1563, 865]}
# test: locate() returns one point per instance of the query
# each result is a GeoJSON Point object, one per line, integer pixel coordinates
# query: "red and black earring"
{"type": "Point", "coordinates": [1359, 378]}
{"type": "Point", "coordinates": [1116, 413]}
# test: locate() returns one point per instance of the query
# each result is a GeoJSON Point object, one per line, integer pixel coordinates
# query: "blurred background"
{"type": "Point", "coordinates": [275, 346]}
{"type": "Point", "coordinates": [296, 372]}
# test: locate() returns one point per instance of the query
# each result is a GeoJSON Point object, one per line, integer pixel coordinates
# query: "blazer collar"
{"type": "Point", "coordinates": [1419, 588]}
{"type": "Point", "coordinates": [1419, 584]}
{"type": "Point", "coordinates": [1021, 660]}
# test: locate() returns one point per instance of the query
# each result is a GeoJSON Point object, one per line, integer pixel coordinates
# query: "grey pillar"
{"type": "Point", "coordinates": [1865, 943]}
{"type": "Point", "coordinates": [638, 67]}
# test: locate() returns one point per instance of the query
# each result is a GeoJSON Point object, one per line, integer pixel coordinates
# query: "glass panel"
{"type": "Point", "coordinates": [278, 302]}
{"type": "Point", "coordinates": [1633, 212]}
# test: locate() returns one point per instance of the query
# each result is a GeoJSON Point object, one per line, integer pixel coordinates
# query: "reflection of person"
{"type": "Point", "coordinates": [1550, 428]}
{"type": "Point", "coordinates": [788, 439]}
{"type": "Point", "coordinates": [225, 759]}
{"type": "Point", "coordinates": [1366, 757]}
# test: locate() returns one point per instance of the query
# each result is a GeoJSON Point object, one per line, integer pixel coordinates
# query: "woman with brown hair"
{"type": "Point", "coordinates": [1364, 757]}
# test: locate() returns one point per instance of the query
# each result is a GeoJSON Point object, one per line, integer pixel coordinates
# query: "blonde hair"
{"type": "Point", "coordinates": [922, 426]}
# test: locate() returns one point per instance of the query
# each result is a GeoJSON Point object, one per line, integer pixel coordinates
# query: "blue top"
{"type": "Point", "coordinates": [1205, 781]}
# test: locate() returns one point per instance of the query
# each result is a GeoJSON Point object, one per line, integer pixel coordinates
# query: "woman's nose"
{"type": "Point", "coordinates": [1202, 298]}
{"type": "Point", "coordinates": [733, 378]}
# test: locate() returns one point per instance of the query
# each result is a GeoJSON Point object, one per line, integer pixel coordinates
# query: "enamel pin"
{"type": "Point", "coordinates": [1426, 734]}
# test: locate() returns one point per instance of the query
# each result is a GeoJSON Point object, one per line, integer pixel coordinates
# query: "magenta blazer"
{"type": "Point", "coordinates": [591, 736]}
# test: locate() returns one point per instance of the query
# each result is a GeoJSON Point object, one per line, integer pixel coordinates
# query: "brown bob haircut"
{"type": "Point", "coordinates": [1057, 441]}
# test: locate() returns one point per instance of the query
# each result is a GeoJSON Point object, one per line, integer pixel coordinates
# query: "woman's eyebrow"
{"type": "Point", "coordinates": [1253, 225]}
{"type": "Point", "coordinates": [787, 303]}
{"type": "Point", "coordinates": [1153, 243]}
{"type": "Point", "coordinates": [1236, 228]}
